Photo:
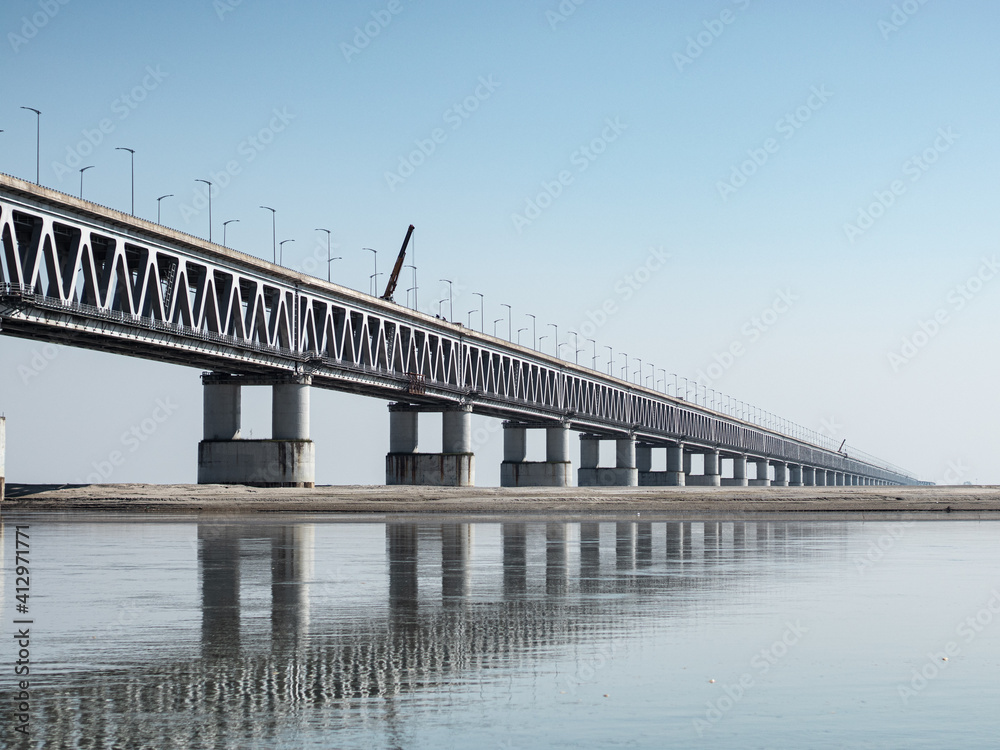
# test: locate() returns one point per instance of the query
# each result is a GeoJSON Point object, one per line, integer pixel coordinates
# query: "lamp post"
{"type": "Point", "coordinates": [274, 234]}
{"type": "Point", "coordinates": [281, 251]}
{"type": "Point", "coordinates": [38, 142]}
{"type": "Point", "coordinates": [131, 152]}
{"type": "Point", "coordinates": [482, 311]}
{"type": "Point", "coordinates": [469, 319]}
{"type": "Point", "coordinates": [224, 225]}
{"type": "Point", "coordinates": [329, 259]}
{"type": "Point", "coordinates": [168, 195]}
{"type": "Point", "coordinates": [414, 287]}
{"type": "Point", "coordinates": [441, 307]}
{"type": "Point", "coordinates": [451, 299]}
{"type": "Point", "coordinates": [625, 368]}
{"type": "Point", "coordinates": [519, 335]}
{"type": "Point", "coordinates": [495, 326]}
{"type": "Point", "coordinates": [534, 337]}
{"type": "Point", "coordinates": [329, 264]}
{"type": "Point", "coordinates": [209, 207]}
{"type": "Point", "coordinates": [371, 287]}
{"type": "Point", "coordinates": [557, 337]}
{"type": "Point", "coordinates": [611, 357]}
{"type": "Point", "coordinates": [593, 362]}
{"type": "Point", "coordinates": [576, 346]}
{"type": "Point", "coordinates": [82, 170]}
{"type": "Point", "coordinates": [510, 312]}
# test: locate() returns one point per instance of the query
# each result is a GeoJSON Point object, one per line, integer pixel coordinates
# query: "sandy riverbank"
{"type": "Point", "coordinates": [963, 501]}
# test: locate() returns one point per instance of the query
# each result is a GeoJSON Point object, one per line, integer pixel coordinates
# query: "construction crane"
{"type": "Point", "coordinates": [390, 287]}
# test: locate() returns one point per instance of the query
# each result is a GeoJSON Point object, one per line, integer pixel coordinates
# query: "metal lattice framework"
{"type": "Point", "coordinates": [79, 274]}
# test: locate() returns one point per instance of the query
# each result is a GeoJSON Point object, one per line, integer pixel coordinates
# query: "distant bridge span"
{"type": "Point", "coordinates": [79, 274]}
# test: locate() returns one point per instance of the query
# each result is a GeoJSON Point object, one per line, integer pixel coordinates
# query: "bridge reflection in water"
{"type": "Point", "coordinates": [459, 604]}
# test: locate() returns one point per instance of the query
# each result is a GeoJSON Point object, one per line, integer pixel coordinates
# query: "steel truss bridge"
{"type": "Point", "coordinates": [79, 274]}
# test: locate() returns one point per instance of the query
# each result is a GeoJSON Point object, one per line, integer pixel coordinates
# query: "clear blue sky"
{"type": "Point", "coordinates": [746, 140]}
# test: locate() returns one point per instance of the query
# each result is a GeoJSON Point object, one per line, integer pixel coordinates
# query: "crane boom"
{"type": "Point", "coordinates": [390, 287]}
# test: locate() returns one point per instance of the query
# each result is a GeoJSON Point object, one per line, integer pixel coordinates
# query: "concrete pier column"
{"type": "Point", "coordinates": [590, 452]}
{"type": "Point", "coordinates": [3, 450]}
{"type": "Point", "coordinates": [554, 471]}
{"type": "Point", "coordinates": [644, 458]}
{"type": "Point", "coordinates": [455, 466]}
{"type": "Point", "coordinates": [687, 463]}
{"type": "Point", "coordinates": [839, 479]}
{"type": "Point", "coordinates": [557, 444]}
{"type": "Point", "coordinates": [290, 411]}
{"type": "Point", "coordinates": [456, 430]}
{"type": "Point", "coordinates": [403, 431]}
{"type": "Point", "coordinates": [740, 471]}
{"type": "Point", "coordinates": [808, 476]}
{"type": "Point", "coordinates": [515, 443]}
{"type": "Point", "coordinates": [222, 411]}
{"type": "Point", "coordinates": [763, 477]}
{"type": "Point", "coordinates": [713, 469]}
{"type": "Point", "coordinates": [625, 453]}
{"type": "Point", "coordinates": [794, 475]}
{"type": "Point", "coordinates": [288, 459]}
{"type": "Point", "coordinates": [780, 474]}
{"type": "Point", "coordinates": [675, 465]}
{"type": "Point", "coordinates": [820, 477]}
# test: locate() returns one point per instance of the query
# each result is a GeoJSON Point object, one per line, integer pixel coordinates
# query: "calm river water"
{"type": "Point", "coordinates": [310, 632]}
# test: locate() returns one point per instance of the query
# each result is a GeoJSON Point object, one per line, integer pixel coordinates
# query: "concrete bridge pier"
{"type": "Point", "coordinates": [711, 475]}
{"type": "Point", "coordinates": [624, 474]}
{"type": "Point", "coordinates": [739, 478]}
{"type": "Point", "coordinates": [795, 475]}
{"type": "Point", "coordinates": [821, 476]}
{"type": "Point", "coordinates": [676, 468]}
{"type": "Point", "coordinates": [288, 459]}
{"type": "Point", "coordinates": [555, 471]}
{"type": "Point", "coordinates": [763, 473]}
{"type": "Point", "coordinates": [780, 474]}
{"type": "Point", "coordinates": [455, 466]}
{"type": "Point", "coordinates": [808, 476]}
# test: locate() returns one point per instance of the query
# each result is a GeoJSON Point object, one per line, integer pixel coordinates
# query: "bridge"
{"type": "Point", "coordinates": [79, 274]}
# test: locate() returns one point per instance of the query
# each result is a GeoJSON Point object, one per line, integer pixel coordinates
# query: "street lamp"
{"type": "Point", "coordinates": [131, 152]}
{"type": "Point", "coordinates": [38, 141]}
{"type": "Point", "coordinates": [224, 224]}
{"type": "Point", "coordinates": [274, 235]}
{"type": "Point", "coordinates": [469, 319]}
{"type": "Point", "coordinates": [414, 287]}
{"type": "Point", "coordinates": [611, 357]}
{"type": "Point", "coordinates": [281, 251]}
{"type": "Point", "coordinates": [557, 337]}
{"type": "Point", "coordinates": [519, 335]}
{"type": "Point", "coordinates": [82, 170]}
{"type": "Point", "coordinates": [593, 362]}
{"type": "Point", "coordinates": [510, 312]}
{"type": "Point", "coordinates": [576, 346]}
{"type": "Point", "coordinates": [168, 195]}
{"type": "Point", "coordinates": [451, 299]}
{"type": "Point", "coordinates": [371, 286]}
{"type": "Point", "coordinates": [482, 311]}
{"type": "Point", "coordinates": [625, 368]}
{"type": "Point", "coordinates": [209, 207]}
{"type": "Point", "coordinates": [441, 307]}
{"type": "Point", "coordinates": [329, 259]}
{"type": "Point", "coordinates": [534, 337]}
{"type": "Point", "coordinates": [495, 326]}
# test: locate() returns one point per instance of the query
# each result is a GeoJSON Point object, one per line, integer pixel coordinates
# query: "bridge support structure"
{"type": "Point", "coordinates": [795, 475]}
{"type": "Point", "coordinates": [288, 459]}
{"type": "Point", "coordinates": [516, 471]}
{"type": "Point", "coordinates": [739, 478]}
{"type": "Point", "coordinates": [454, 466]}
{"type": "Point", "coordinates": [624, 473]}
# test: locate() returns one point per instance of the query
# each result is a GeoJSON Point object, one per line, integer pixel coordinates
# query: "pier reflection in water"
{"type": "Point", "coordinates": [427, 635]}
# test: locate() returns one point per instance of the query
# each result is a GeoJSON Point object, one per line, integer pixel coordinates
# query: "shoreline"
{"type": "Point", "coordinates": [960, 502]}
